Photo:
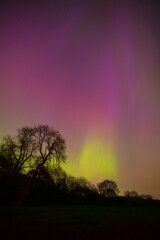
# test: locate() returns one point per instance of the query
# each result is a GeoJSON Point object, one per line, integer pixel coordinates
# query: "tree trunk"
{"type": "Point", "coordinates": [22, 195]}
{"type": "Point", "coordinates": [27, 188]}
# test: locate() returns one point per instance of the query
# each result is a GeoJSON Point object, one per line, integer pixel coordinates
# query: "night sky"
{"type": "Point", "coordinates": [90, 69]}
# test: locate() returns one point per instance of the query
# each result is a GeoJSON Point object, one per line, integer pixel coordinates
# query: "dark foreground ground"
{"type": "Point", "coordinates": [79, 222]}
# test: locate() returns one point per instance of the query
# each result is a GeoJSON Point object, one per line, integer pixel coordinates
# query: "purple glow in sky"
{"type": "Point", "coordinates": [90, 69]}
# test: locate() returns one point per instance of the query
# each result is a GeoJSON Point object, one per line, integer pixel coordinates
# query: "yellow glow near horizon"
{"type": "Point", "coordinates": [96, 161]}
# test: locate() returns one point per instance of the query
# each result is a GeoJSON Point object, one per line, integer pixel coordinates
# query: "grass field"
{"type": "Point", "coordinates": [79, 222]}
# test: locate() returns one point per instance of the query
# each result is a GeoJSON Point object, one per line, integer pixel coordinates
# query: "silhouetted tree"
{"type": "Point", "coordinates": [146, 197]}
{"type": "Point", "coordinates": [5, 167]}
{"type": "Point", "coordinates": [49, 147]}
{"type": "Point", "coordinates": [15, 153]}
{"type": "Point", "coordinates": [131, 194]}
{"type": "Point", "coordinates": [108, 188]}
{"type": "Point", "coordinates": [17, 150]}
{"type": "Point", "coordinates": [58, 174]}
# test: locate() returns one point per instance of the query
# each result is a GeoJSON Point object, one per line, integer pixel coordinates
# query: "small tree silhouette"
{"type": "Point", "coordinates": [108, 188]}
{"type": "Point", "coordinates": [131, 194]}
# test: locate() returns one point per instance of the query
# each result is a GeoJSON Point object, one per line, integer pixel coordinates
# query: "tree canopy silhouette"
{"type": "Point", "coordinates": [17, 151]}
{"type": "Point", "coordinates": [49, 146]}
{"type": "Point", "coordinates": [31, 149]}
{"type": "Point", "coordinates": [108, 188]}
{"type": "Point", "coordinates": [131, 194]}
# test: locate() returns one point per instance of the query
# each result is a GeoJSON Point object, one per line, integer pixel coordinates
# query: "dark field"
{"type": "Point", "coordinates": [79, 222]}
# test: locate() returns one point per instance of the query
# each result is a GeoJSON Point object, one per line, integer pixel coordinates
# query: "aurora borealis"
{"type": "Point", "coordinates": [90, 69]}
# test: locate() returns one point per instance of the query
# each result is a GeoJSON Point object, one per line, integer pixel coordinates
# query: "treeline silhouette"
{"type": "Point", "coordinates": [31, 174]}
